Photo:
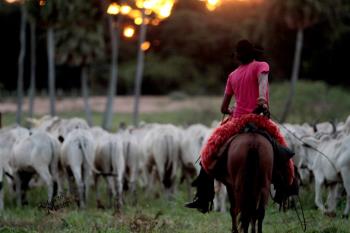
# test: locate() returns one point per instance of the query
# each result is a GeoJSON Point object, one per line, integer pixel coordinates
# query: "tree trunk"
{"type": "Point", "coordinates": [51, 69]}
{"type": "Point", "coordinates": [114, 34]}
{"type": "Point", "coordinates": [139, 70]}
{"type": "Point", "coordinates": [85, 94]}
{"type": "Point", "coordinates": [295, 74]}
{"type": "Point", "coordinates": [21, 64]}
{"type": "Point", "coordinates": [32, 67]}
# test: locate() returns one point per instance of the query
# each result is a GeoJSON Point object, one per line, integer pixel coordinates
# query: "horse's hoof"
{"type": "Point", "coordinates": [345, 216]}
{"type": "Point", "coordinates": [330, 214]}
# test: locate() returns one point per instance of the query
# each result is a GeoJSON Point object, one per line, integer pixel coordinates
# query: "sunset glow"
{"type": "Point", "coordinates": [113, 9]}
{"type": "Point", "coordinates": [125, 9]}
{"type": "Point", "coordinates": [138, 21]}
{"type": "Point", "coordinates": [12, 1]}
{"type": "Point", "coordinates": [145, 46]}
{"type": "Point", "coordinates": [129, 31]}
{"type": "Point", "coordinates": [213, 4]}
{"type": "Point", "coordinates": [162, 8]}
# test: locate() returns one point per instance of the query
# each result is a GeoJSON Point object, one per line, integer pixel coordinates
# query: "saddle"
{"type": "Point", "coordinates": [282, 155]}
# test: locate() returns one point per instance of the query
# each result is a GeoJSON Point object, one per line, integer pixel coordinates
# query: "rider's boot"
{"type": "Point", "coordinates": [203, 200]}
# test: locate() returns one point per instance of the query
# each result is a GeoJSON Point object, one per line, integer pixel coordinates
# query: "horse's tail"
{"type": "Point", "coordinates": [250, 195]}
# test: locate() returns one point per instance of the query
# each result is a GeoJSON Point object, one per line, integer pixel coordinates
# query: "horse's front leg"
{"type": "Point", "coordinates": [234, 218]}
{"type": "Point", "coordinates": [261, 216]}
{"type": "Point", "coordinates": [253, 227]}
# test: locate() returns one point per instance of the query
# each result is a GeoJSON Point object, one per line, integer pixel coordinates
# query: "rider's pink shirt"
{"type": "Point", "coordinates": [243, 83]}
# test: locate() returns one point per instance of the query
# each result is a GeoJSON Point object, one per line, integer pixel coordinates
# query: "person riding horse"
{"type": "Point", "coordinates": [249, 86]}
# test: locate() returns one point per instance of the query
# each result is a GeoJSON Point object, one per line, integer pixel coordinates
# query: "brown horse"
{"type": "Point", "coordinates": [247, 179]}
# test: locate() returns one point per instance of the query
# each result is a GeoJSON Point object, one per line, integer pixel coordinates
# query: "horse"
{"type": "Point", "coordinates": [248, 176]}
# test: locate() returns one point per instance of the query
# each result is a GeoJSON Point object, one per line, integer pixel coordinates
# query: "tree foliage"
{"type": "Point", "coordinates": [196, 46]}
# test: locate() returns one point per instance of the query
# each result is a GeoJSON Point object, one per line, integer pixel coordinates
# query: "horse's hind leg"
{"type": "Point", "coordinates": [232, 209]}
{"type": "Point", "coordinates": [253, 225]}
{"type": "Point", "coordinates": [261, 216]}
{"type": "Point", "coordinates": [234, 221]}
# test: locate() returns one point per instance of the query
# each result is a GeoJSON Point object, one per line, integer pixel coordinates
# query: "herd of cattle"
{"type": "Point", "coordinates": [58, 152]}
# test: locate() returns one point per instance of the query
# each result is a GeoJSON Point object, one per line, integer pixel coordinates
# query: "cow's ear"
{"type": "Point", "coordinates": [61, 139]}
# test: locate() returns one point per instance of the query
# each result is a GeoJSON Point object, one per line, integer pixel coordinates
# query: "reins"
{"type": "Point", "coordinates": [304, 144]}
{"type": "Point", "coordinates": [302, 223]}
{"type": "Point", "coordinates": [222, 121]}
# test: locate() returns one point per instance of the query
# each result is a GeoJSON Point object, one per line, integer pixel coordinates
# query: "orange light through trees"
{"type": "Point", "coordinates": [145, 46]}
{"type": "Point", "coordinates": [138, 21]}
{"type": "Point", "coordinates": [12, 1]}
{"type": "Point", "coordinates": [213, 4]}
{"type": "Point", "coordinates": [129, 31]}
{"type": "Point", "coordinates": [113, 9]}
{"type": "Point", "coordinates": [161, 8]}
{"type": "Point", "coordinates": [125, 9]}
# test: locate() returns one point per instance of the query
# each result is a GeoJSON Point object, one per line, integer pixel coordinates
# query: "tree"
{"type": "Point", "coordinates": [113, 80]}
{"type": "Point", "coordinates": [79, 39]}
{"type": "Point", "coordinates": [139, 70]}
{"type": "Point", "coordinates": [33, 17]}
{"type": "Point", "coordinates": [21, 63]}
{"type": "Point", "coordinates": [50, 16]}
{"type": "Point", "coordinates": [297, 15]}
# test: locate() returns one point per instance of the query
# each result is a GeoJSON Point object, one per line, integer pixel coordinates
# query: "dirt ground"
{"type": "Point", "coordinates": [122, 104]}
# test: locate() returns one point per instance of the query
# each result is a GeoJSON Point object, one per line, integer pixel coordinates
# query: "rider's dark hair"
{"type": "Point", "coordinates": [245, 52]}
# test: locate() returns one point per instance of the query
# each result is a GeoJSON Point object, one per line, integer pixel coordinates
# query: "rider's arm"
{"type": "Point", "coordinates": [263, 84]}
{"type": "Point", "coordinates": [225, 104]}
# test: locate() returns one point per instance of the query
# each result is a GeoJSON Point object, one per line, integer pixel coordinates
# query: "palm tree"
{"type": "Point", "coordinates": [33, 8]}
{"type": "Point", "coordinates": [50, 18]}
{"type": "Point", "coordinates": [21, 63]}
{"type": "Point", "coordinates": [139, 70]}
{"type": "Point", "coordinates": [297, 15]}
{"type": "Point", "coordinates": [113, 81]}
{"type": "Point", "coordinates": [85, 94]}
{"type": "Point", "coordinates": [114, 33]}
{"type": "Point", "coordinates": [80, 41]}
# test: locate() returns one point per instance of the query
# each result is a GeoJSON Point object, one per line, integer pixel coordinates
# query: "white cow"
{"type": "Point", "coordinates": [77, 161]}
{"type": "Point", "coordinates": [58, 126]}
{"type": "Point", "coordinates": [326, 168]}
{"type": "Point", "coordinates": [134, 160]}
{"type": "Point", "coordinates": [220, 198]}
{"type": "Point", "coordinates": [8, 137]}
{"type": "Point", "coordinates": [161, 146]}
{"type": "Point", "coordinates": [37, 153]}
{"type": "Point", "coordinates": [109, 160]}
{"type": "Point", "coordinates": [193, 139]}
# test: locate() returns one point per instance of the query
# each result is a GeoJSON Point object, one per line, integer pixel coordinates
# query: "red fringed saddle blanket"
{"type": "Point", "coordinates": [231, 128]}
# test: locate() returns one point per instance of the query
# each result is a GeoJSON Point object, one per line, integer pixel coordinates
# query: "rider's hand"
{"type": "Point", "coordinates": [262, 107]}
{"type": "Point", "coordinates": [263, 103]}
{"type": "Point", "coordinates": [230, 111]}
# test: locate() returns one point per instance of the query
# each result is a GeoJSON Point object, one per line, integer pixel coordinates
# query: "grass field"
{"type": "Point", "coordinates": [156, 215]}
{"type": "Point", "coordinates": [314, 102]}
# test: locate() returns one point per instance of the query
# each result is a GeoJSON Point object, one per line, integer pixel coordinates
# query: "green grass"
{"type": "Point", "coordinates": [313, 102]}
{"type": "Point", "coordinates": [156, 215]}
